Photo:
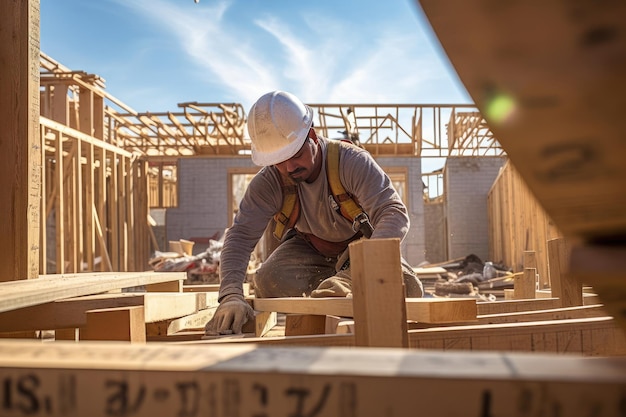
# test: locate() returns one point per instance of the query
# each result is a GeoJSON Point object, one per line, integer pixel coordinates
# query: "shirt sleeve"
{"type": "Point", "coordinates": [262, 199]}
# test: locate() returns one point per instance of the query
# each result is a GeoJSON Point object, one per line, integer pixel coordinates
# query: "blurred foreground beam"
{"type": "Point", "coordinates": [157, 379]}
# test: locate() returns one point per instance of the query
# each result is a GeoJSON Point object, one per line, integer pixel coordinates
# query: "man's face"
{"type": "Point", "coordinates": [300, 167]}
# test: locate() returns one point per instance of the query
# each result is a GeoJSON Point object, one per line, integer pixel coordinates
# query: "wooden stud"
{"type": "Point", "coordinates": [121, 324]}
{"type": "Point", "coordinates": [524, 285]}
{"type": "Point", "coordinates": [564, 287]}
{"type": "Point", "coordinates": [378, 293]}
{"type": "Point", "coordinates": [20, 159]}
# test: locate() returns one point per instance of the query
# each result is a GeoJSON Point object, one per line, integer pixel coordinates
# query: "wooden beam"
{"type": "Point", "coordinates": [167, 380]}
{"type": "Point", "coordinates": [342, 325]}
{"type": "Point", "coordinates": [262, 323]}
{"type": "Point", "coordinates": [71, 312]}
{"type": "Point", "coordinates": [193, 321]}
{"type": "Point", "coordinates": [121, 324]}
{"type": "Point", "coordinates": [379, 305]}
{"type": "Point", "coordinates": [510, 306]}
{"type": "Point", "coordinates": [20, 159]}
{"type": "Point", "coordinates": [524, 285]}
{"type": "Point", "coordinates": [599, 336]}
{"type": "Point", "coordinates": [304, 324]}
{"type": "Point", "coordinates": [46, 288]}
{"type": "Point", "coordinates": [578, 312]}
{"type": "Point", "coordinates": [425, 310]}
{"type": "Point", "coordinates": [564, 287]}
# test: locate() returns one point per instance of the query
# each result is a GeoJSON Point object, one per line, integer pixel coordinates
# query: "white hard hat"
{"type": "Point", "coordinates": [278, 125]}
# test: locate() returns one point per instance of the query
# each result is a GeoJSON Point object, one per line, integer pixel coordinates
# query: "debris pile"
{"type": "Point", "coordinates": [201, 268]}
{"type": "Point", "coordinates": [470, 277]}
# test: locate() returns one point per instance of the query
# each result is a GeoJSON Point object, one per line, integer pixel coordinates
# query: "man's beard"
{"type": "Point", "coordinates": [295, 175]}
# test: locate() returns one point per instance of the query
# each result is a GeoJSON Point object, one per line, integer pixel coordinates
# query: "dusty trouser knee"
{"type": "Point", "coordinates": [412, 285]}
{"type": "Point", "coordinates": [294, 269]}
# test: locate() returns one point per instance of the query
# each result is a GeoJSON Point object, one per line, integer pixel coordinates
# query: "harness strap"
{"type": "Point", "coordinates": [347, 206]}
{"type": "Point", "coordinates": [288, 215]}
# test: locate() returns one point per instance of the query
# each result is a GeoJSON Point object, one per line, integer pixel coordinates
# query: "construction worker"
{"type": "Point", "coordinates": [312, 258]}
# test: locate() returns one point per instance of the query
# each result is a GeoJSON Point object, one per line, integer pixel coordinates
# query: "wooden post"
{"type": "Point", "coordinates": [120, 323]}
{"type": "Point", "coordinates": [564, 287]}
{"type": "Point", "coordinates": [20, 156]}
{"type": "Point", "coordinates": [524, 285]}
{"type": "Point", "coordinates": [378, 293]}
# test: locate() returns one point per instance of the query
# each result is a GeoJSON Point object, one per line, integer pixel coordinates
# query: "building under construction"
{"type": "Point", "coordinates": [103, 203]}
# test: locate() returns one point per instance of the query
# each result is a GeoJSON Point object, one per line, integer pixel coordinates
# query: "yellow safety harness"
{"type": "Point", "coordinates": [288, 215]}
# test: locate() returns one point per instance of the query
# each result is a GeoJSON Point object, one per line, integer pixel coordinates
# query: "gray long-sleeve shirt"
{"type": "Point", "coordinates": [360, 175]}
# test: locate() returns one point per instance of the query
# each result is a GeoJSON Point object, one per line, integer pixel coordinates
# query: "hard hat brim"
{"type": "Point", "coordinates": [272, 158]}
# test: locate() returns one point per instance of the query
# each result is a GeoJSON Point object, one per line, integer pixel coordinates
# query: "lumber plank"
{"type": "Point", "coordinates": [577, 312]}
{"type": "Point", "coordinates": [441, 310]}
{"type": "Point", "coordinates": [552, 118]}
{"type": "Point", "coordinates": [378, 302]}
{"type": "Point", "coordinates": [598, 336]}
{"type": "Point", "coordinates": [525, 285]}
{"type": "Point", "coordinates": [191, 322]}
{"type": "Point", "coordinates": [71, 312]}
{"type": "Point", "coordinates": [46, 288]}
{"type": "Point", "coordinates": [20, 159]}
{"type": "Point", "coordinates": [250, 380]}
{"type": "Point", "coordinates": [567, 289]}
{"type": "Point", "coordinates": [120, 324]}
{"type": "Point", "coordinates": [262, 323]}
{"type": "Point", "coordinates": [565, 313]}
{"type": "Point", "coordinates": [305, 324]}
{"type": "Point", "coordinates": [169, 286]}
{"type": "Point", "coordinates": [67, 313]}
{"type": "Point", "coordinates": [510, 306]}
{"type": "Point", "coordinates": [427, 310]}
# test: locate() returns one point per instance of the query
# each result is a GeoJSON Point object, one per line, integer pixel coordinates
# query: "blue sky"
{"type": "Point", "coordinates": [154, 54]}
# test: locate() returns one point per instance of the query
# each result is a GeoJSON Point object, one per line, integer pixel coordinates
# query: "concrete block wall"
{"type": "Point", "coordinates": [203, 199]}
{"type": "Point", "coordinates": [435, 232]}
{"type": "Point", "coordinates": [413, 247]}
{"type": "Point", "coordinates": [467, 181]}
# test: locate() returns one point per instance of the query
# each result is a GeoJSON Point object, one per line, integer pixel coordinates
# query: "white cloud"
{"type": "Point", "coordinates": [319, 58]}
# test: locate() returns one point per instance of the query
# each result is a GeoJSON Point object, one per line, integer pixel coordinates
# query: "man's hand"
{"type": "Point", "coordinates": [335, 286]}
{"type": "Point", "coordinates": [230, 316]}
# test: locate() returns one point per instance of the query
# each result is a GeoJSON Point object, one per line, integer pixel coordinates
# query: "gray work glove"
{"type": "Point", "coordinates": [339, 285]}
{"type": "Point", "coordinates": [230, 316]}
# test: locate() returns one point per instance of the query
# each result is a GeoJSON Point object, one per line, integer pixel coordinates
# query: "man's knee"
{"type": "Point", "coordinates": [413, 286]}
{"type": "Point", "coordinates": [274, 282]}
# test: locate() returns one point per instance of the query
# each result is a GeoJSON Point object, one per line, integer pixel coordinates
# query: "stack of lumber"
{"type": "Point", "coordinates": [254, 374]}
{"type": "Point", "coordinates": [97, 306]}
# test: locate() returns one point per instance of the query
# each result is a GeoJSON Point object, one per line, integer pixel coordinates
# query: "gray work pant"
{"type": "Point", "coordinates": [295, 269]}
